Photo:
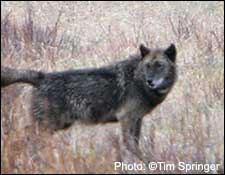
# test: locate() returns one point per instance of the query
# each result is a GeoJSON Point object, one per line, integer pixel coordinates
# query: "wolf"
{"type": "Point", "coordinates": [122, 92]}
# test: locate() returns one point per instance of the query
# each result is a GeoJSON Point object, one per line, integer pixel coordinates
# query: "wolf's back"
{"type": "Point", "coordinates": [10, 76]}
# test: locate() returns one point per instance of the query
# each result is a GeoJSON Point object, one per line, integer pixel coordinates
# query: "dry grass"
{"type": "Point", "coordinates": [50, 36]}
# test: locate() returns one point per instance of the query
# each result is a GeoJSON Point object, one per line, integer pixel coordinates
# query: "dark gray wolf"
{"type": "Point", "coordinates": [125, 91]}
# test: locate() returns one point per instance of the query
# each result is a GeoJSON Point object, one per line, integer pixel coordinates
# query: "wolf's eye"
{"type": "Point", "coordinates": [148, 65]}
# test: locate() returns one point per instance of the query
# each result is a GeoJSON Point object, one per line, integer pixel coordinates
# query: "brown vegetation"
{"type": "Point", "coordinates": [188, 126]}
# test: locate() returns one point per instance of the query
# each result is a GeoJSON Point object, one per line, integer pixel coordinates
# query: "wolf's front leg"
{"type": "Point", "coordinates": [131, 128]}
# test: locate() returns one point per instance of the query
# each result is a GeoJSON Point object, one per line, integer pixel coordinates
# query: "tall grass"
{"type": "Point", "coordinates": [187, 127]}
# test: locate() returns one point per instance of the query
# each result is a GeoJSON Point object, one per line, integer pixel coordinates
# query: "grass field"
{"type": "Point", "coordinates": [53, 36]}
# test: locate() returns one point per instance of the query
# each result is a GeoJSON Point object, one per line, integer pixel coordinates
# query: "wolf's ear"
{"type": "Point", "coordinates": [171, 52]}
{"type": "Point", "coordinates": [144, 50]}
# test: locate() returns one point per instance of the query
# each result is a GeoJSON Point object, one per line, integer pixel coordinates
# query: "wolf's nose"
{"type": "Point", "coordinates": [150, 83]}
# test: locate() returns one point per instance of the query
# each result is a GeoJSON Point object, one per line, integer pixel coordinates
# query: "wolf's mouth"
{"type": "Point", "coordinates": [155, 83]}
{"type": "Point", "coordinates": [158, 89]}
{"type": "Point", "coordinates": [163, 91]}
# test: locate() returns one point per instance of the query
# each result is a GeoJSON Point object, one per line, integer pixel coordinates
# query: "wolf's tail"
{"type": "Point", "coordinates": [10, 76]}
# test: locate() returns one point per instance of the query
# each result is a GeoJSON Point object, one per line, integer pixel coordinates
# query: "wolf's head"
{"type": "Point", "coordinates": [157, 69]}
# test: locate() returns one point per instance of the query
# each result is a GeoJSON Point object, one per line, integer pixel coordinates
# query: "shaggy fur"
{"type": "Point", "coordinates": [125, 91]}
